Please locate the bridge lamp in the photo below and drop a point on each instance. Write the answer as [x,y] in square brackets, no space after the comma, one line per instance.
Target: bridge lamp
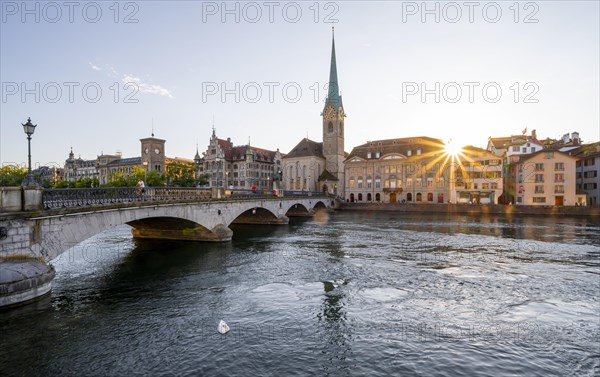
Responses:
[29,129]
[145,163]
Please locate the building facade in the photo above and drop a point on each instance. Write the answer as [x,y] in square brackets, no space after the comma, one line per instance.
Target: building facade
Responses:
[319,166]
[78,168]
[545,178]
[478,177]
[239,167]
[588,172]
[152,159]
[396,170]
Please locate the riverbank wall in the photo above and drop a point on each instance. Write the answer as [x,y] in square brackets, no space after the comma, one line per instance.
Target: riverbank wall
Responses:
[476,209]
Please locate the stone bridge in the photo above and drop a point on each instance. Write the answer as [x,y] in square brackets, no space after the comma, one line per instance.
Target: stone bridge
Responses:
[54,226]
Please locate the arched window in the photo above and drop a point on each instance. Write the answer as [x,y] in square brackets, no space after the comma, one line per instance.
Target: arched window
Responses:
[377,197]
[330,127]
[440,197]
[429,197]
[409,197]
[352,198]
[360,197]
[369,197]
[419,197]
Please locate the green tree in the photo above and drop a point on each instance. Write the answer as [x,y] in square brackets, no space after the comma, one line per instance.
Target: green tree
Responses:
[86,183]
[12,175]
[154,179]
[182,174]
[203,180]
[117,179]
[64,184]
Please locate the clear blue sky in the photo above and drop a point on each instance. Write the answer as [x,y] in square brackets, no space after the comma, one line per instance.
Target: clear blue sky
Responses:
[177,50]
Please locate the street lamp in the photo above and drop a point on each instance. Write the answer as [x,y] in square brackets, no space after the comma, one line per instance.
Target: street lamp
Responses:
[29,129]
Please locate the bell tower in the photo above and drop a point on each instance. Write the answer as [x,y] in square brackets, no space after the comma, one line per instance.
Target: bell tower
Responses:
[333,124]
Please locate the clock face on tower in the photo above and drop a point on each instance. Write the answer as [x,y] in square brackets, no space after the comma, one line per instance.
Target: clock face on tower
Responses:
[146,150]
[157,151]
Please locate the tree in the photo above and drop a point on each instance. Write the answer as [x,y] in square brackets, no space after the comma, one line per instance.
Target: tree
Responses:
[154,179]
[12,175]
[181,174]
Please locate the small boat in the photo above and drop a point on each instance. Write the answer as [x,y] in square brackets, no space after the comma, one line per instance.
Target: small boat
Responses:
[223,328]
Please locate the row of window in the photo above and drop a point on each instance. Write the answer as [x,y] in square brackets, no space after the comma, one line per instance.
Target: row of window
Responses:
[588,174]
[540,178]
[558,166]
[518,148]
[587,186]
[558,189]
[409,197]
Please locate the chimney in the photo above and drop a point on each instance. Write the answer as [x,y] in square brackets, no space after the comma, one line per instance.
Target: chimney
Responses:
[575,138]
[533,134]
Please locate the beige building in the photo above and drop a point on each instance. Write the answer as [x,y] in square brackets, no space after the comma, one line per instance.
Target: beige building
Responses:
[545,178]
[421,170]
[397,170]
[478,176]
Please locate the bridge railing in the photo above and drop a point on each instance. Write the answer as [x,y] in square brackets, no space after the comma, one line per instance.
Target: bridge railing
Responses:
[84,197]
[69,198]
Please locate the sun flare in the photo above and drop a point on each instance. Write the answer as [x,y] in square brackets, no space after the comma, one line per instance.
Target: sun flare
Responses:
[452,149]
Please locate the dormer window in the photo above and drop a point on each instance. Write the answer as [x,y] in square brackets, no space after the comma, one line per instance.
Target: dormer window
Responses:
[377,154]
[418,152]
[368,154]
[409,153]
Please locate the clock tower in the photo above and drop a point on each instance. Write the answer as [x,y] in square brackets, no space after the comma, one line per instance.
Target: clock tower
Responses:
[153,154]
[333,128]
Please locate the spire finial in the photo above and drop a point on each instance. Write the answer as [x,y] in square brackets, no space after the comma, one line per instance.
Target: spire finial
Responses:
[152,126]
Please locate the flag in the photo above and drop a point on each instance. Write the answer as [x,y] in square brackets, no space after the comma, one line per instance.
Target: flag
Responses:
[525,131]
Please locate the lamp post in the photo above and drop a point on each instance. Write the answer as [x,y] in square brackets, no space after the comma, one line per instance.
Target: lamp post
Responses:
[145,163]
[29,129]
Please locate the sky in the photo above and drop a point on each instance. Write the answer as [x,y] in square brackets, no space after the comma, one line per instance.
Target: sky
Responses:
[98,76]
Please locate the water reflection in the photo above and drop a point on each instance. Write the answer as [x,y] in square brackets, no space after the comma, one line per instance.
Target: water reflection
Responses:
[364,293]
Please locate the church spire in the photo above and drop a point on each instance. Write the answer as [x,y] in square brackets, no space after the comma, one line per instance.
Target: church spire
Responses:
[333,93]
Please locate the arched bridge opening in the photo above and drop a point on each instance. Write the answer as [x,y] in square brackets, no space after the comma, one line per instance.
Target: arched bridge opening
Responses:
[259,215]
[172,228]
[298,210]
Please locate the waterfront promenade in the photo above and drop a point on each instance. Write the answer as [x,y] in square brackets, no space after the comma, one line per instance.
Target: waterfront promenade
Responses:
[474,209]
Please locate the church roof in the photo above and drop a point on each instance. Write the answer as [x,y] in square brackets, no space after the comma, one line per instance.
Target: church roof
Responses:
[327,176]
[333,94]
[306,148]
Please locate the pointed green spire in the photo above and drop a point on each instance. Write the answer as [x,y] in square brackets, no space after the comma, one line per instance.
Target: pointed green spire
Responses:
[333,93]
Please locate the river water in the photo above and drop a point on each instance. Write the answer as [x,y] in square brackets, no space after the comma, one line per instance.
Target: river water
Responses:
[349,293]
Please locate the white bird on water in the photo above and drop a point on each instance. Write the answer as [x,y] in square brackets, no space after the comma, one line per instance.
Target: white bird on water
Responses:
[223,328]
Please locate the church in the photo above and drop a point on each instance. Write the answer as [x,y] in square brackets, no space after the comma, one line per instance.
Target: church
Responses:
[319,166]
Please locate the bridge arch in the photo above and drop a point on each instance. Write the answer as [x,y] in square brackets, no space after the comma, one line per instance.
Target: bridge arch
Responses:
[53,234]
